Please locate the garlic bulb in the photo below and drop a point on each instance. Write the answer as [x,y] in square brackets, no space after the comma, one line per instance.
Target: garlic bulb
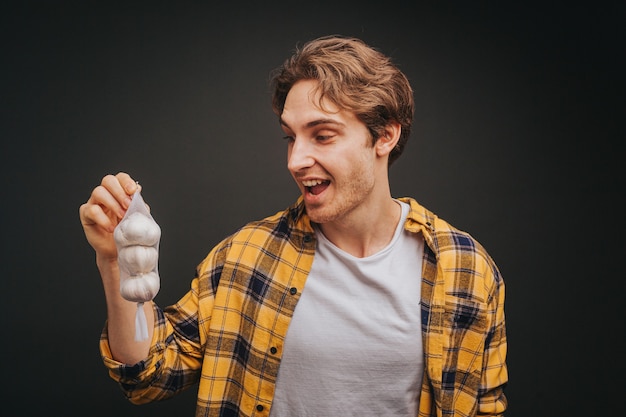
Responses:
[138,259]
[137,239]
[137,229]
[141,287]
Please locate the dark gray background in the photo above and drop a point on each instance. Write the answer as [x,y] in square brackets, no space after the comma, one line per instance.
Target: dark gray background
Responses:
[517,139]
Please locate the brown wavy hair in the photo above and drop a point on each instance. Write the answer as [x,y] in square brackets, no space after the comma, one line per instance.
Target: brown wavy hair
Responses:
[355,77]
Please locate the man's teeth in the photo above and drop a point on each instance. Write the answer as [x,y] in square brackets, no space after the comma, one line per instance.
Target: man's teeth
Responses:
[311,183]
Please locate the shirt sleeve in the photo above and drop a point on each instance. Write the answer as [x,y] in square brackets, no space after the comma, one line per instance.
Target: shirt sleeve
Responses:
[174,360]
[492,401]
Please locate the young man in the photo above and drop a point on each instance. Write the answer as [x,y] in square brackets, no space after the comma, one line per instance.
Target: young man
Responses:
[349,302]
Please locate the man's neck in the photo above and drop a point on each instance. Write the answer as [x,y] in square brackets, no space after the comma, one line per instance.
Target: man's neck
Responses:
[366,231]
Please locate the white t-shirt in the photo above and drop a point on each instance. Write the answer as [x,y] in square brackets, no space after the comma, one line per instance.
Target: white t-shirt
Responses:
[354,346]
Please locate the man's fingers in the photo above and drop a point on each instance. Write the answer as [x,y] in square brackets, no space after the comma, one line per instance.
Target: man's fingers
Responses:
[108,201]
[111,185]
[111,198]
[128,184]
[94,215]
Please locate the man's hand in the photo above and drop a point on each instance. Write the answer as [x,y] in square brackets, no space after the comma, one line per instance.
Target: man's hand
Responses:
[104,210]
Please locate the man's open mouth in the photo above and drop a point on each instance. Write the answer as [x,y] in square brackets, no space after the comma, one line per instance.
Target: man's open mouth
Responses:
[315,187]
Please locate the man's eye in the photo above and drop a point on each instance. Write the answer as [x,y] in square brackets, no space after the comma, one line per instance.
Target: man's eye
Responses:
[288,138]
[322,138]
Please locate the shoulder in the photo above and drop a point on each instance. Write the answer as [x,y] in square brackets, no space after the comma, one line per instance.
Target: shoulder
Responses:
[456,251]
[442,236]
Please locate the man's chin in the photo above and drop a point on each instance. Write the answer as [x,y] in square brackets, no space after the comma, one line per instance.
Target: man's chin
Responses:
[317,214]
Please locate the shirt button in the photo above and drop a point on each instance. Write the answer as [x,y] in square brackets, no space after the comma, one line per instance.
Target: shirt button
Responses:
[273,350]
[293,290]
[307,238]
[259,407]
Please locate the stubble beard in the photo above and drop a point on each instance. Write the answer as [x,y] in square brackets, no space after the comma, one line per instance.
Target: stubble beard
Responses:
[350,194]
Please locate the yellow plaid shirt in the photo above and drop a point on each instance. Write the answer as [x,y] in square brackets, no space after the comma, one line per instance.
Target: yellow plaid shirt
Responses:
[227,333]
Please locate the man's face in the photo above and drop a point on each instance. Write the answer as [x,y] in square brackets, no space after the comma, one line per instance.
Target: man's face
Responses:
[330,155]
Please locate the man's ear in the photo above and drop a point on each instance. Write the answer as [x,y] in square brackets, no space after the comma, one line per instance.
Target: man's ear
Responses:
[385,144]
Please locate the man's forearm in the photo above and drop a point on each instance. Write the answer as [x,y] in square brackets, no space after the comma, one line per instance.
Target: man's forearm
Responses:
[121,315]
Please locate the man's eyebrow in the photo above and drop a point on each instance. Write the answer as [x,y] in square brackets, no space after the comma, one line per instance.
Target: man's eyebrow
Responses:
[316,122]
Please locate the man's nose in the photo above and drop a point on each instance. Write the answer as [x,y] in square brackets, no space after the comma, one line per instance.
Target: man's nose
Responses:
[299,156]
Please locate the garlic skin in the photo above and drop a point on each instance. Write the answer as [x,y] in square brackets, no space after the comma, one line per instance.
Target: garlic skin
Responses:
[138,259]
[137,240]
[137,229]
[140,288]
